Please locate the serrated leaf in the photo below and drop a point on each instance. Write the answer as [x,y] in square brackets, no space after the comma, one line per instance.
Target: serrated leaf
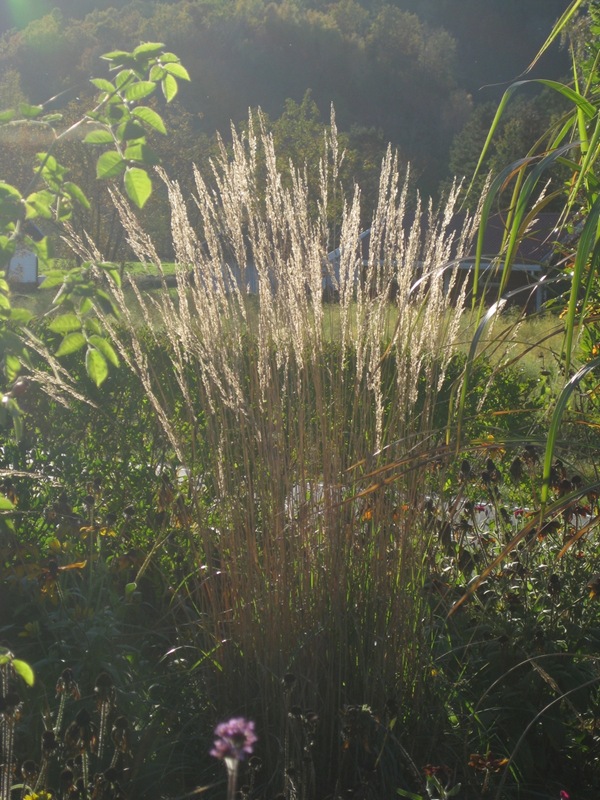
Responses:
[66,323]
[157,73]
[92,326]
[109,165]
[139,90]
[124,77]
[22,316]
[130,129]
[105,347]
[149,117]
[52,279]
[24,671]
[48,162]
[103,85]
[5,504]
[96,366]
[148,49]
[99,136]
[71,344]
[178,70]
[169,87]
[39,204]
[85,305]
[142,153]
[168,57]
[138,186]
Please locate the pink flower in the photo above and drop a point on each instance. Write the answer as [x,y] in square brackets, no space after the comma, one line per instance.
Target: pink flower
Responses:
[235,739]
[564,795]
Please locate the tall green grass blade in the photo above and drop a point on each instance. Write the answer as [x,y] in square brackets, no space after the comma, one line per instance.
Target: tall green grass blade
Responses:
[561,404]
[587,245]
[495,187]
[520,219]
[556,31]
[587,109]
[495,309]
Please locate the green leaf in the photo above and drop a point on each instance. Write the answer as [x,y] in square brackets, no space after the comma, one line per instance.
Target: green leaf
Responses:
[8,115]
[12,367]
[178,70]
[142,153]
[148,49]
[103,85]
[41,249]
[24,671]
[39,204]
[99,136]
[113,270]
[169,87]
[50,119]
[109,165]
[410,795]
[28,111]
[149,117]
[115,54]
[138,185]
[5,504]
[92,326]
[66,323]
[71,344]
[105,347]
[128,130]
[139,90]
[85,305]
[167,58]
[52,279]
[9,191]
[124,78]
[96,366]
[130,588]
[76,193]
[157,73]
[49,163]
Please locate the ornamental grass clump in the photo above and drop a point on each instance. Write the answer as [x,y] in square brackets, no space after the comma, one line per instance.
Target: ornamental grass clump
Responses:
[304,550]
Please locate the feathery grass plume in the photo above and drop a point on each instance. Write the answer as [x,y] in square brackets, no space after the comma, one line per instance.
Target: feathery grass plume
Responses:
[287,411]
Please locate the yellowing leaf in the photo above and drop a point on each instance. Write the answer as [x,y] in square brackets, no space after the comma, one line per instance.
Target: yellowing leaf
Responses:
[24,670]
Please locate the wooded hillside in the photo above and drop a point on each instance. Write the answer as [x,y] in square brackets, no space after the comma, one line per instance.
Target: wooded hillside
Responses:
[407,72]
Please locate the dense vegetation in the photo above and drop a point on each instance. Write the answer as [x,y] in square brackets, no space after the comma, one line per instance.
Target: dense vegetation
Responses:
[354,506]
[406,73]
